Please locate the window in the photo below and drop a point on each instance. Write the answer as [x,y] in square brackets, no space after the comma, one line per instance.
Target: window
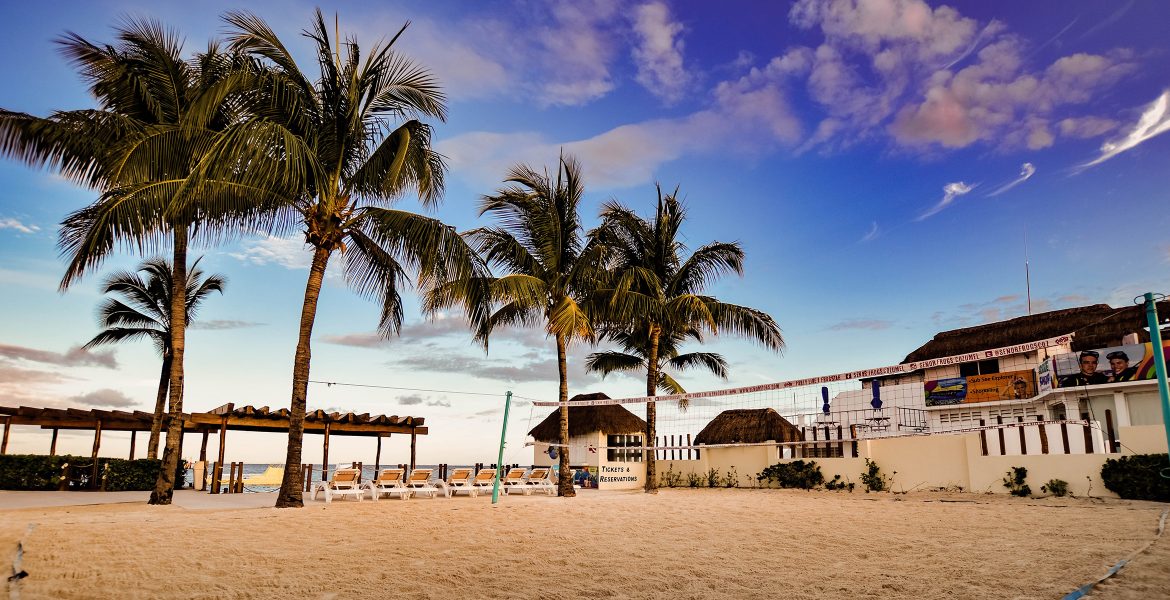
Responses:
[983,367]
[618,451]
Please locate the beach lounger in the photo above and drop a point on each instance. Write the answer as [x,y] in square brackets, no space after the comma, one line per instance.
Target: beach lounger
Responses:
[459,480]
[419,482]
[389,482]
[484,480]
[540,480]
[343,483]
[513,479]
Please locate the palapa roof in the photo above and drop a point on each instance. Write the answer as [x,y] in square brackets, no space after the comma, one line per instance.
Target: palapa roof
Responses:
[610,418]
[1095,326]
[748,426]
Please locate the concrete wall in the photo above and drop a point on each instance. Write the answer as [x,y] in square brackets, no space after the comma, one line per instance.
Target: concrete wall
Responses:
[1143,439]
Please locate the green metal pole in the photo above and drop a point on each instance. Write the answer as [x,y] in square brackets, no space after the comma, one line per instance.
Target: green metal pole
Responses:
[500,460]
[1159,361]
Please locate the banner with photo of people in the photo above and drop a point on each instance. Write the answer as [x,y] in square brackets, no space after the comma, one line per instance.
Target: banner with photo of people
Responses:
[1115,364]
[1009,385]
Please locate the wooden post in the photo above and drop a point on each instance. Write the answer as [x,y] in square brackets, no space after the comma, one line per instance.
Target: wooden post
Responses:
[689,453]
[307,477]
[840,442]
[97,443]
[413,439]
[378,457]
[203,446]
[1002,445]
[1088,438]
[1043,435]
[1064,436]
[53,444]
[222,448]
[1110,442]
[816,449]
[4,444]
[325,455]
[983,437]
[1023,440]
[853,435]
[216,474]
[133,435]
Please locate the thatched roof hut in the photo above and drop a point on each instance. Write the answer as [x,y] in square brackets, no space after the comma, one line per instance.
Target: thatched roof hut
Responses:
[748,426]
[611,419]
[1096,326]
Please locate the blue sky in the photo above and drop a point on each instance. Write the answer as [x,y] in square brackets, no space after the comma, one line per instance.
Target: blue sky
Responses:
[881,162]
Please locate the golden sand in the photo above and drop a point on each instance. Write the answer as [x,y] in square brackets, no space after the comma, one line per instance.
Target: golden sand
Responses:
[677,544]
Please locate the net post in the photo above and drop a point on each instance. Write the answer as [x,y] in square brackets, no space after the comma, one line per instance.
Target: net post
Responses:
[500,460]
[1159,360]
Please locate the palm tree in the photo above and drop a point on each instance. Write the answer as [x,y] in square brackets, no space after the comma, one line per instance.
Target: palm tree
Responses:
[151,150]
[550,270]
[145,312]
[342,164]
[635,348]
[657,292]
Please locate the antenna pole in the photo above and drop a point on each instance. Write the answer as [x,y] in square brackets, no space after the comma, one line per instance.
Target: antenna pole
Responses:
[1027,273]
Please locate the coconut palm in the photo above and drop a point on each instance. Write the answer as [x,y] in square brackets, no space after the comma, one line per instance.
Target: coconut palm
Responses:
[350,144]
[144,311]
[657,292]
[150,149]
[635,348]
[549,270]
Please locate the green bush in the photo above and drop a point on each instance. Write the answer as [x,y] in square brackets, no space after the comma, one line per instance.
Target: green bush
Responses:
[694,479]
[873,479]
[731,479]
[1138,477]
[713,479]
[670,478]
[796,474]
[835,484]
[1056,487]
[1014,481]
[40,472]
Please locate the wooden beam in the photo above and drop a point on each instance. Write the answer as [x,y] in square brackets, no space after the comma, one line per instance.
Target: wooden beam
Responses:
[203,446]
[413,438]
[53,444]
[133,434]
[378,457]
[97,443]
[325,455]
[4,444]
[222,445]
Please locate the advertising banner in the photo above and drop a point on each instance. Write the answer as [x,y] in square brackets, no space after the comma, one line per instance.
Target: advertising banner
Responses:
[1010,385]
[1115,364]
[942,392]
[1045,376]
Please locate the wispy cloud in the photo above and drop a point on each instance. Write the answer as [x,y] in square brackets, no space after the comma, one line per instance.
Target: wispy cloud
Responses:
[104,398]
[659,52]
[950,192]
[74,357]
[220,324]
[290,253]
[1026,172]
[1155,120]
[11,223]
[872,234]
[865,324]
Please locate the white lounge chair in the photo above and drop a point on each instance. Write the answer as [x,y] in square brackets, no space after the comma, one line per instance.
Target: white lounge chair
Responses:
[513,479]
[459,480]
[484,480]
[345,482]
[419,482]
[389,482]
[540,480]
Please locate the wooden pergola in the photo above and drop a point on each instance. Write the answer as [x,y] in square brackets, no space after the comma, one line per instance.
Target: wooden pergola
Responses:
[219,420]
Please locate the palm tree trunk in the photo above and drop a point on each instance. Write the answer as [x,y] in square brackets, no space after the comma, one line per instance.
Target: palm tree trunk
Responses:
[651,409]
[160,405]
[164,486]
[290,486]
[565,481]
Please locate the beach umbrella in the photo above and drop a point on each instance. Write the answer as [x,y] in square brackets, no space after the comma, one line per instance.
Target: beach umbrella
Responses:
[876,403]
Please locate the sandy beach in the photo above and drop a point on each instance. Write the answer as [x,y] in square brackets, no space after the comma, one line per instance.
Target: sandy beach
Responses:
[678,544]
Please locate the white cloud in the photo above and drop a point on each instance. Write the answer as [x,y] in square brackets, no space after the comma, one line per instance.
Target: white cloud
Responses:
[1155,120]
[104,398]
[950,192]
[872,234]
[1027,170]
[1085,127]
[11,223]
[290,253]
[659,53]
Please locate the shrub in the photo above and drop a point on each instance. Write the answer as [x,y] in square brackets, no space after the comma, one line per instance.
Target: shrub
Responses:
[713,478]
[1014,481]
[1138,477]
[873,479]
[836,484]
[1056,487]
[670,478]
[796,474]
[694,479]
[731,479]
[40,472]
